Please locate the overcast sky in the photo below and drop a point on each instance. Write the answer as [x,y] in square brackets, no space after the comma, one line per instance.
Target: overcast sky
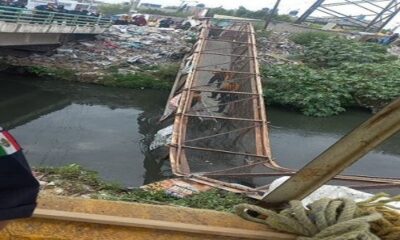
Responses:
[285,6]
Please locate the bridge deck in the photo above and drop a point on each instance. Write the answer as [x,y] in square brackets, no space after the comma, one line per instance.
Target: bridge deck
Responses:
[220,135]
[19,20]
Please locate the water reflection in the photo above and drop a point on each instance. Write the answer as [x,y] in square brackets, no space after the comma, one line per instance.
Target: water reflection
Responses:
[297,139]
[103,129]
[109,130]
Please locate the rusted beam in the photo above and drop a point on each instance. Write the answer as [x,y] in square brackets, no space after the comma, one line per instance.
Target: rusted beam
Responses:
[228,41]
[214,64]
[181,167]
[216,91]
[219,117]
[225,71]
[174,88]
[245,175]
[234,80]
[224,54]
[348,178]
[265,143]
[219,134]
[229,30]
[375,186]
[236,168]
[221,104]
[221,151]
[338,157]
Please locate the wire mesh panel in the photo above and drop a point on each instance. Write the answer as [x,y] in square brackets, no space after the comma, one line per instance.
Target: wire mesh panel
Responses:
[220,117]
[220,135]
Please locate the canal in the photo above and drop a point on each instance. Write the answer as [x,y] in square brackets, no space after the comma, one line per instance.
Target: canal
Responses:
[109,130]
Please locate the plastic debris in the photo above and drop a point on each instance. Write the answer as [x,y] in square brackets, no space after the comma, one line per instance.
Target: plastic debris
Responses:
[117,46]
[162,138]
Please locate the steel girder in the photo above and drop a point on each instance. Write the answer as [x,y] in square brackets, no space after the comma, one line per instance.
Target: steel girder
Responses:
[373,15]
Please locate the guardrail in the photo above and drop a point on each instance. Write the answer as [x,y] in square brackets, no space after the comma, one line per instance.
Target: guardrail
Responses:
[25,16]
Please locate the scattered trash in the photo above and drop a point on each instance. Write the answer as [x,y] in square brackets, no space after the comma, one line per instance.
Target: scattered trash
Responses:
[162,138]
[119,45]
[178,187]
[279,44]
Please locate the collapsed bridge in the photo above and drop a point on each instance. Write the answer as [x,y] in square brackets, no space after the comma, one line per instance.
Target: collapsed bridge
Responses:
[220,131]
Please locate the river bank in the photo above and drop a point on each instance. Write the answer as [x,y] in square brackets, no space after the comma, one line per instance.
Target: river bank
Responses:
[73,180]
[109,131]
[126,56]
[348,73]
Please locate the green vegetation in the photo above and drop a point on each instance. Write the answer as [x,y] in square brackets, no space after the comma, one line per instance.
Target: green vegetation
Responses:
[75,180]
[214,199]
[157,77]
[59,73]
[263,33]
[109,9]
[335,51]
[150,77]
[337,73]
[245,13]
[313,92]
[119,8]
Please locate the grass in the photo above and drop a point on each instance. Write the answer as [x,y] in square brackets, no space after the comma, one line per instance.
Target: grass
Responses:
[75,180]
[149,77]
[59,73]
[154,77]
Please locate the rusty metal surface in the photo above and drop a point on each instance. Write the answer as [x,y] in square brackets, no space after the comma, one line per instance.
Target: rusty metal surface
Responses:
[69,218]
[341,155]
[231,149]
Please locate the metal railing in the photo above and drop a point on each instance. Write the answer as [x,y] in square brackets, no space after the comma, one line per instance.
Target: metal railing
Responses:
[25,16]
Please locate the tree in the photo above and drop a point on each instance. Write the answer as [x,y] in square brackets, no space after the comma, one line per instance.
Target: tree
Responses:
[293,13]
[115,8]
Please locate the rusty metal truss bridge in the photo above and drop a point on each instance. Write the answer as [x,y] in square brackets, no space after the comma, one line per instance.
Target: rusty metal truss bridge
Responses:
[366,15]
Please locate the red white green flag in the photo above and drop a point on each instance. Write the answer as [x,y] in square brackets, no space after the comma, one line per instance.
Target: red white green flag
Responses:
[8,145]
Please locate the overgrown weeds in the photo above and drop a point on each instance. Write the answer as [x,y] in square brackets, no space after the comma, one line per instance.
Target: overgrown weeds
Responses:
[314,93]
[157,77]
[77,181]
[338,73]
[335,51]
[59,73]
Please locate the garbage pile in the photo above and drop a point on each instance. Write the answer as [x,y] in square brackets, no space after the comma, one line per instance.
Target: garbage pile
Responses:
[276,47]
[125,48]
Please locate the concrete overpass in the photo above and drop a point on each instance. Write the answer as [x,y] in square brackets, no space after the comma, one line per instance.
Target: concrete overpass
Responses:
[22,27]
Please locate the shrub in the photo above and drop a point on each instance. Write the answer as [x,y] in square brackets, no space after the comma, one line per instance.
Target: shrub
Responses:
[325,92]
[374,83]
[334,51]
[316,93]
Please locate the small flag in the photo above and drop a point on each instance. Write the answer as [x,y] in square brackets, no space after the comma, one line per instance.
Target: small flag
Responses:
[8,145]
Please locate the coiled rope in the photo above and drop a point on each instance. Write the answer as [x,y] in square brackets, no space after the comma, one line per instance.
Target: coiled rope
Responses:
[332,219]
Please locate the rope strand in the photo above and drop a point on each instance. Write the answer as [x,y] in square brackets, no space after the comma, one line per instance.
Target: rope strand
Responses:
[332,219]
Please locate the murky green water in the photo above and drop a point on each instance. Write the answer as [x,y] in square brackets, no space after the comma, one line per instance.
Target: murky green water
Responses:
[109,130]
[296,139]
